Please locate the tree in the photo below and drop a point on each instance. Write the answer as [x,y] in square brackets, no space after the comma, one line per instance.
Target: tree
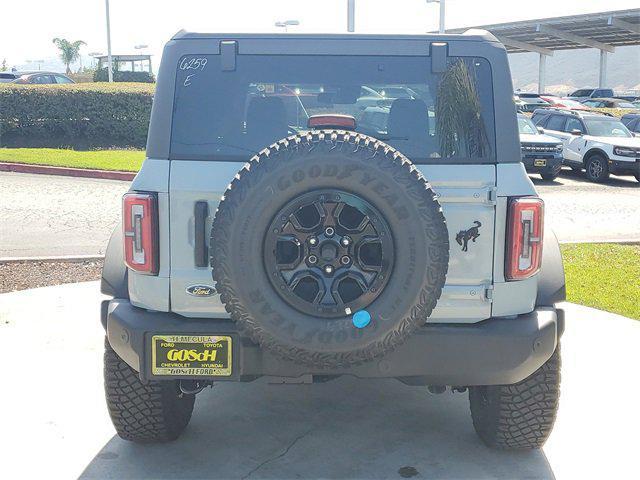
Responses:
[3,67]
[69,51]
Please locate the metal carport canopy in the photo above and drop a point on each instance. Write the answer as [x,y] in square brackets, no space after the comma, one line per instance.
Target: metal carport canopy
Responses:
[603,31]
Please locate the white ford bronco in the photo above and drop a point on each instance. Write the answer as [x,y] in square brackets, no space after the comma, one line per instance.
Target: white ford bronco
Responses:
[267,235]
[598,143]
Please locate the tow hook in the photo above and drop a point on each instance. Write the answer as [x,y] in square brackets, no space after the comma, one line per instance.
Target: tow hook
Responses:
[192,387]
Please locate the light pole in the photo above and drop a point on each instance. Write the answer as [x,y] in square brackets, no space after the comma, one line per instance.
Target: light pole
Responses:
[351,15]
[109,63]
[287,23]
[441,2]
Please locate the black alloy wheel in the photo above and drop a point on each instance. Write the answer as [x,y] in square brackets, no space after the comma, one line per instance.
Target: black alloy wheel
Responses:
[329,253]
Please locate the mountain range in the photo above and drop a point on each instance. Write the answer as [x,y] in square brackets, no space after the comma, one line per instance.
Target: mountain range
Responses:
[568,70]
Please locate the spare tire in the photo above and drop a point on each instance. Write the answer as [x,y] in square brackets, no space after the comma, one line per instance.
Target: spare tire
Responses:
[329,248]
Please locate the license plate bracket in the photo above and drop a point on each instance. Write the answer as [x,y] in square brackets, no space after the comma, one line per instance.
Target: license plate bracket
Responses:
[191,355]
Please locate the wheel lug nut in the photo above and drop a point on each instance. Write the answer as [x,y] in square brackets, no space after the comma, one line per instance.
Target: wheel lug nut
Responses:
[329,231]
[313,241]
[345,241]
[345,260]
[312,259]
[328,269]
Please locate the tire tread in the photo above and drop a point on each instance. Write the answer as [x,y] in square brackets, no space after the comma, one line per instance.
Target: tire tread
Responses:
[143,413]
[519,416]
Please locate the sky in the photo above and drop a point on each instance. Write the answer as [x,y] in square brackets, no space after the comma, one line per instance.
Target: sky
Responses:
[29,26]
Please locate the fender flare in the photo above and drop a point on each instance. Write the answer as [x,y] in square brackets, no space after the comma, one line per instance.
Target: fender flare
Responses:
[114,280]
[551,281]
[592,151]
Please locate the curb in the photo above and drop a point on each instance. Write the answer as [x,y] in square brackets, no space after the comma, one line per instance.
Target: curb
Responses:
[66,171]
[61,258]
[618,241]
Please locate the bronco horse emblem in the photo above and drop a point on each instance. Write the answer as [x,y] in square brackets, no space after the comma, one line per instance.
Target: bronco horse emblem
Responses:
[464,236]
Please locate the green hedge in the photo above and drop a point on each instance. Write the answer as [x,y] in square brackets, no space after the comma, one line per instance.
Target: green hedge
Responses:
[79,116]
[103,76]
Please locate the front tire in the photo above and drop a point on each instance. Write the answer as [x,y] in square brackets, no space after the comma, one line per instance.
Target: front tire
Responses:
[143,413]
[519,416]
[597,168]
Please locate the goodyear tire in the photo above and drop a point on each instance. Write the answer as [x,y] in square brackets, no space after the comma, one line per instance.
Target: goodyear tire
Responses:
[144,413]
[519,416]
[378,187]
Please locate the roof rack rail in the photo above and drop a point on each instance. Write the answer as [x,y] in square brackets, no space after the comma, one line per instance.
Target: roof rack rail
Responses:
[557,109]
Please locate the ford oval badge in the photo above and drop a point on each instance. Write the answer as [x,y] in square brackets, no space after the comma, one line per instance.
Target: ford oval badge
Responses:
[201,290]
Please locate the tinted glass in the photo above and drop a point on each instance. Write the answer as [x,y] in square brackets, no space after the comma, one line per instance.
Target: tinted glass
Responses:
[526,126]
[573,124]
[540,119]
[606,127]
[62,79]
[582,93]
[625,105]
[231,115]
[556,122]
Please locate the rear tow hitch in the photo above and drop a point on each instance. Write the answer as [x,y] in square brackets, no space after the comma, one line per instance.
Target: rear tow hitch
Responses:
[192,387]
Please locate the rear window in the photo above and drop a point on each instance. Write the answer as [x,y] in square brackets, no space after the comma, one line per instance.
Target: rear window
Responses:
[430,117]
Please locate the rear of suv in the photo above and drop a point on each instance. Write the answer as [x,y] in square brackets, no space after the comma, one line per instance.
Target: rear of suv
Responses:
[267,235]
[598,143]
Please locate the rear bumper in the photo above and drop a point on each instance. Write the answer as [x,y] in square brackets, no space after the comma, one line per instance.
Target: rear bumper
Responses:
[493,352]
[553,164]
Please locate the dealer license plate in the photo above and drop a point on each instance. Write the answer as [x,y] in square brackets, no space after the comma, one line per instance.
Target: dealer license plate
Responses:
[539,162]
[192,355]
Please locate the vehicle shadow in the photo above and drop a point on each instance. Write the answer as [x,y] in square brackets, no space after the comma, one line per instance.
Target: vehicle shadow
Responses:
[346,428]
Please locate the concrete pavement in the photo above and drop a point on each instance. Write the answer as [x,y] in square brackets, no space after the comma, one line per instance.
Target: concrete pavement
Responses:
[43,215]
[55,424]
[581,211]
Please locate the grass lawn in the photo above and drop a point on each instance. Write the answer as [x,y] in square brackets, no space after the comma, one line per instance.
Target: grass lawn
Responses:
[604,276]
[124,160]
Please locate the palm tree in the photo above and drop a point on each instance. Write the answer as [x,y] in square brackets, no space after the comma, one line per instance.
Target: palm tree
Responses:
[460,126]
[69,51]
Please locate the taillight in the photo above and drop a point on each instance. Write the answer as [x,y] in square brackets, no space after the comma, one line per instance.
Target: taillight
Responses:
[140,221]
[524,238]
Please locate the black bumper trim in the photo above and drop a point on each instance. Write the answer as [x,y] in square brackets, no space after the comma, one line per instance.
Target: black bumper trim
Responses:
[554,164]
[492,352]
[618,167]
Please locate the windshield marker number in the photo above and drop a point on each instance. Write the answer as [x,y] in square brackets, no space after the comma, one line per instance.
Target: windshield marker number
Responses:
[195,63]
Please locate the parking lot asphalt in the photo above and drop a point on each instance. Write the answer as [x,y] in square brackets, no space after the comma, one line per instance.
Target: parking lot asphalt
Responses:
[55,424]
[582,211]
[43,215]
